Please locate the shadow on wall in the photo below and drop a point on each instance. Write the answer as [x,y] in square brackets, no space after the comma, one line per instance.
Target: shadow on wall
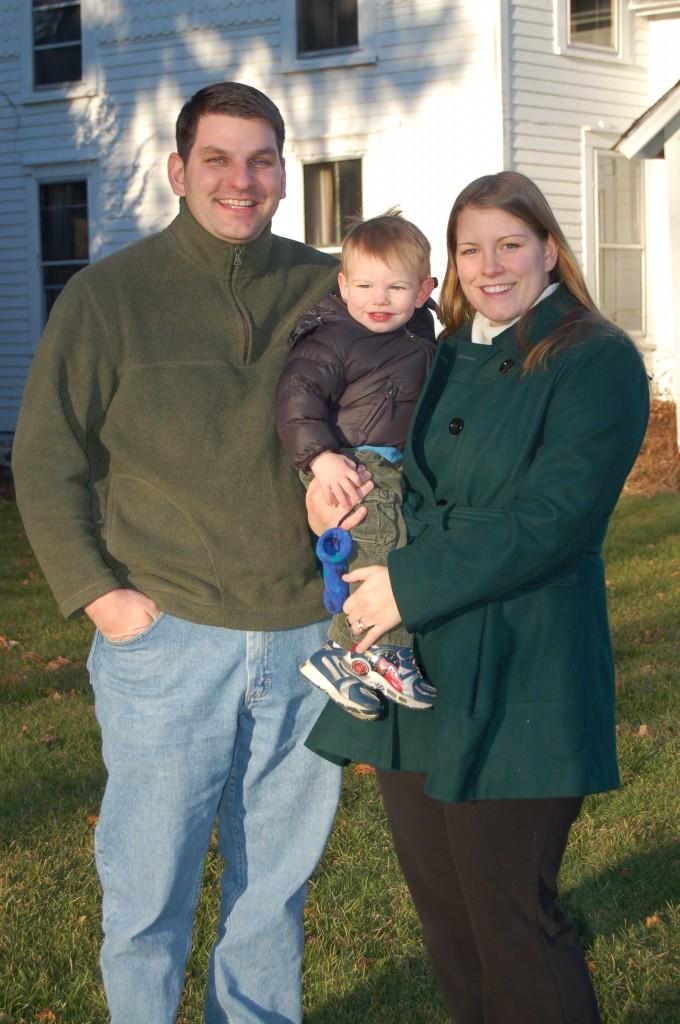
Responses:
[149,63]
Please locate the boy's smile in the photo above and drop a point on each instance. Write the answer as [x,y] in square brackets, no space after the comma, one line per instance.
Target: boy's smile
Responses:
[382,296]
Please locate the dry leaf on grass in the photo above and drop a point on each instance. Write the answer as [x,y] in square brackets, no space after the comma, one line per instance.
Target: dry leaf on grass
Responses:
[364,769]
[56,663]
[653,921]
[46,1015]
[92,819]
[34,658]
[7,645]
[643,730]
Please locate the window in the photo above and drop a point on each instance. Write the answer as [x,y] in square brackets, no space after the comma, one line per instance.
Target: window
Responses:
[326,25]
[593,29]
[592,23]
[328,33]
[620,240]
[332,194]
[57,43]
[64,235]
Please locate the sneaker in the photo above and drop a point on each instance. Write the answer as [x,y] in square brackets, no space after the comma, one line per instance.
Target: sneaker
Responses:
[327,670]
[393,671]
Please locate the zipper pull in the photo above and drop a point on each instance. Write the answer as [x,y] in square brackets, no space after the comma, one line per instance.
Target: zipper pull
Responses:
[237,256]
[391,395]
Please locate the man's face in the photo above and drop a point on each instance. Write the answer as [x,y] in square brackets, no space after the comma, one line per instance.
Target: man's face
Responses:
[233,178]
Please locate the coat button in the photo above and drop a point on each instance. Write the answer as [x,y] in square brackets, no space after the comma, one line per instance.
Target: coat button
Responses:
[506,365]
[456,425]
[442,502]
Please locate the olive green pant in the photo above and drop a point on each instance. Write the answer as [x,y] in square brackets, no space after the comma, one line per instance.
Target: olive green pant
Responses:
[377,534]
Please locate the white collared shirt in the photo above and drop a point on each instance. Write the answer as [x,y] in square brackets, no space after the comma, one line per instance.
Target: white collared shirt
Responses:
[483,331]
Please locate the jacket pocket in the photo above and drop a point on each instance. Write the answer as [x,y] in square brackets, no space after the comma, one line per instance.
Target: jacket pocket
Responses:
[385,409]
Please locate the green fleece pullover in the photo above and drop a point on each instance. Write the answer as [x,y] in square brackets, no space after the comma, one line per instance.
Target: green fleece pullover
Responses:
[146,453]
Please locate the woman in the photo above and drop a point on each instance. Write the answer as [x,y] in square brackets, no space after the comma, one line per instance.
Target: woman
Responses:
[533,414]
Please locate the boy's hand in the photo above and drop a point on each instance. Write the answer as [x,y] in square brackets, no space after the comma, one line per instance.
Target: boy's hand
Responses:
[323,516]
[338,477]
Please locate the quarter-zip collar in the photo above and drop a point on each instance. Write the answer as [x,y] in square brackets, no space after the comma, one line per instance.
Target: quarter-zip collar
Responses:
[214,254]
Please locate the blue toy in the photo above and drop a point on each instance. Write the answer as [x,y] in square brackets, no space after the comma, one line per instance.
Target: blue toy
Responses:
[333,549]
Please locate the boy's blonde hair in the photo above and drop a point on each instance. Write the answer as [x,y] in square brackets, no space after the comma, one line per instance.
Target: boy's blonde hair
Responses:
[388,238]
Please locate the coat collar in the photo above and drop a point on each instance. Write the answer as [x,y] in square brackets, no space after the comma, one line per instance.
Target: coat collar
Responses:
[542,320]
[214,254]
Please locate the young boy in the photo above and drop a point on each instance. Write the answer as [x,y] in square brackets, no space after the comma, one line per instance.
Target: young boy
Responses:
[346,396]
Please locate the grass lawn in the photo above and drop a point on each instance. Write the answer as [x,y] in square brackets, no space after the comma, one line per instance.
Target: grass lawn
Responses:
[364,962]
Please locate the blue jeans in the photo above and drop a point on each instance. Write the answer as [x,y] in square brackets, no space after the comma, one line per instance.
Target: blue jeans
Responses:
[199,724]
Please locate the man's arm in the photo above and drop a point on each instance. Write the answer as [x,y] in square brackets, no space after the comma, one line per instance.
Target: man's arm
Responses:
[70,386]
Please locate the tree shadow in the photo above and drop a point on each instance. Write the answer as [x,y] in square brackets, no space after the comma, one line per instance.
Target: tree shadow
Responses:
[405,991]
[627,893]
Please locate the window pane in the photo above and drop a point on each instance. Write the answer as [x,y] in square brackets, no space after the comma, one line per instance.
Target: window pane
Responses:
[592,22]
[63,221]
[63,64]
[621,287]
[56,25]
[54,279]
[327,24]
[619,200]
[332,194]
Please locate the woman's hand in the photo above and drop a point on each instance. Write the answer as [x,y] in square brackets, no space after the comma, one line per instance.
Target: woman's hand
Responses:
[323,516]
[371,609]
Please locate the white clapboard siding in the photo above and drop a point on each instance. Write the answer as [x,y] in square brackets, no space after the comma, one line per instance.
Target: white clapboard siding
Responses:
[412,115]
[553,97]
[458,88]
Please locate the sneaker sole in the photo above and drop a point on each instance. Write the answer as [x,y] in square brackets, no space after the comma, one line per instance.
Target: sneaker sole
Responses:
[378,682]
[321,683]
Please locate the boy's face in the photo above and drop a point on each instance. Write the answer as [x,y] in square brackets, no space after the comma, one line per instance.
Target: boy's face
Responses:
[379,296]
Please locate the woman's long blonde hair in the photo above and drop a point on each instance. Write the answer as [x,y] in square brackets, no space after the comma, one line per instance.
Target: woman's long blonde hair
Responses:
[520,196]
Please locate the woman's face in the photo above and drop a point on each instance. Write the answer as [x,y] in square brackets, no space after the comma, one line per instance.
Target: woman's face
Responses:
[503,266]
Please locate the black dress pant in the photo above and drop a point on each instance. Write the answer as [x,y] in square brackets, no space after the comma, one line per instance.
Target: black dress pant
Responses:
[483,878]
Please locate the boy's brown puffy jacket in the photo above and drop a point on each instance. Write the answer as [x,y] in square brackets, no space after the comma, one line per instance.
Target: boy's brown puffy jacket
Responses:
[344,386]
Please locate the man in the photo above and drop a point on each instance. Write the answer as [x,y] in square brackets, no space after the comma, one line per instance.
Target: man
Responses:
[158,501]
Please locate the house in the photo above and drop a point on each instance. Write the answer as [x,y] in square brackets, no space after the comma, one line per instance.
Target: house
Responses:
[386,102]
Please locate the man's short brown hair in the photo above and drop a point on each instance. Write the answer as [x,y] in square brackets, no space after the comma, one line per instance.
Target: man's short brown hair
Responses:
[232,98]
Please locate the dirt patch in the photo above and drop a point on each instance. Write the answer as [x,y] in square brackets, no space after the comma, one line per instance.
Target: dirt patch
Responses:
[658,464]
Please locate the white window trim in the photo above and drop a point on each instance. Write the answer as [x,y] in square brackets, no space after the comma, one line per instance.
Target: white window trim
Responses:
[364,53]
[88,84]
[594,142]
[40,174]
[326,148]
[621,53]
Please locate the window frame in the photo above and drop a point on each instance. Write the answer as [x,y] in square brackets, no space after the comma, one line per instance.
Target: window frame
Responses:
[364,53]
[596,143]
[53,174]
[619,53]
[86,86]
